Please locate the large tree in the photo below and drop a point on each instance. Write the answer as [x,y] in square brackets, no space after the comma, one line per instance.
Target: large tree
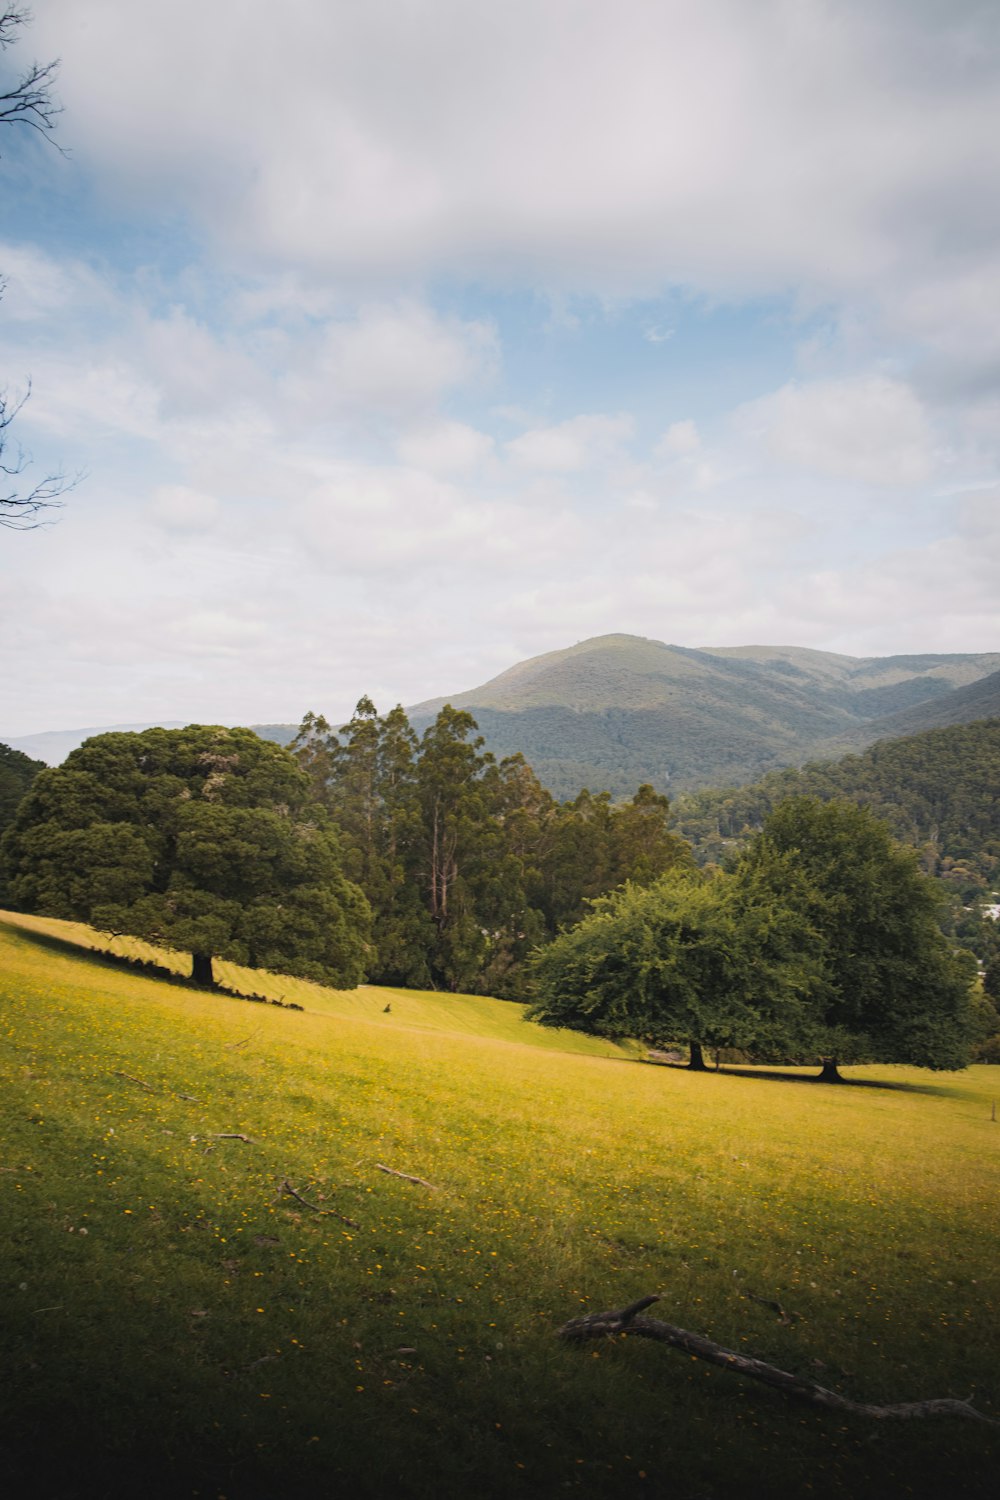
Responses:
[892,988]
[700,958]
[204,839]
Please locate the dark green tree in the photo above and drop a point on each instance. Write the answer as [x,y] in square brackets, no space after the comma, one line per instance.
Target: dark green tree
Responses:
[892,988]
[202,839]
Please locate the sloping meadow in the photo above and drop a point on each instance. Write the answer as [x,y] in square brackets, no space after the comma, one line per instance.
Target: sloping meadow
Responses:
[212,1285]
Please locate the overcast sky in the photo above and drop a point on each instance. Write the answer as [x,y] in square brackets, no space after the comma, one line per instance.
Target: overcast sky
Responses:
[399,340]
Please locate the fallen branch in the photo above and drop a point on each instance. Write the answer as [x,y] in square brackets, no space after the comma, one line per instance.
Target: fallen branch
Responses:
[405,1176]
[286,1187]
[628,1320]
[788,1319]
[232,1135]
[140,1081]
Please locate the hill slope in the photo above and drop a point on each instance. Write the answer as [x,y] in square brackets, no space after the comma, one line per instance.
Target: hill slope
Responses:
[214,1286]
[937,790]
[617,710]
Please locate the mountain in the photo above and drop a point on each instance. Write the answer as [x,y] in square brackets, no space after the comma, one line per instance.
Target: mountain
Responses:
[617,710]
[53,745]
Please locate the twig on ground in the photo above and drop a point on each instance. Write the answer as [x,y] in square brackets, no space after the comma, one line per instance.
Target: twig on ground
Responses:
[788,1319]
[628,1321]
[286,1187]
[405,1176]
[140,1081]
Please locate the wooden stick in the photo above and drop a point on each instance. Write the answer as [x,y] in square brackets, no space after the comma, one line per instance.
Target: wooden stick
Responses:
[141,1082]
[405,1176]
[286,1187]
[628,1320]
[232,1135]
[789,1319]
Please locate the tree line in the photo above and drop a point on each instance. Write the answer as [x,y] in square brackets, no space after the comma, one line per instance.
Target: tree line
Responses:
[469,863]
[372,853]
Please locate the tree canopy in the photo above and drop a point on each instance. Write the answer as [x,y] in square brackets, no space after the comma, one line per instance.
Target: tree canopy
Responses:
[892,988]
[820,941]
[204,839]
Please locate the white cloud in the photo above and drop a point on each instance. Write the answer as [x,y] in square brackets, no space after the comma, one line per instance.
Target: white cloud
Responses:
[445,447]
[739,149]
[177,508]
[568,447]
[679,440]
[402,356]
[866,429]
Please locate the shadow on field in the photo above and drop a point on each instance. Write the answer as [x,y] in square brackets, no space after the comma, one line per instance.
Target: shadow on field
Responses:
[145,967]
[777,1075]
[70,949]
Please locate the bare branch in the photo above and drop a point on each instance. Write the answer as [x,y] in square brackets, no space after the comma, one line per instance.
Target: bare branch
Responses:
[286,1187]
[18,510]
[405,1176]
[29,101]
[626,1321]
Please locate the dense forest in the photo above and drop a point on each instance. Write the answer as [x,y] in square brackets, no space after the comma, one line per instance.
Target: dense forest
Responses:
[938,791]
[469,863]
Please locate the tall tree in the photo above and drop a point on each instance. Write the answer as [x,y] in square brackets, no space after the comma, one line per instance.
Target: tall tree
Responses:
[455,814]
[203,839]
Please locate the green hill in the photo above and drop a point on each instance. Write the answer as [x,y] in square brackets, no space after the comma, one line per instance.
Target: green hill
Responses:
[250,1252]
[937,790]
[619,710]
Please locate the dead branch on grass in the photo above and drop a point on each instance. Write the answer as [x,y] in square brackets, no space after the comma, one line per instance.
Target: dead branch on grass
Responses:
[286,1187]
[629,1321]
[140,1081]
[391,1171]
[786,1318]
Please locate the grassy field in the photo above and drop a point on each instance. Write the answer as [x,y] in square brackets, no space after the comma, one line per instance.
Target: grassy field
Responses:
[175,1324]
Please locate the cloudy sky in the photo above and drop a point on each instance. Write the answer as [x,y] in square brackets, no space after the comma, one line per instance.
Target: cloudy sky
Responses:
[399,340]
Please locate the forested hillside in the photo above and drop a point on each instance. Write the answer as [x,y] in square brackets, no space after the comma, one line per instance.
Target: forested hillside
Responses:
[938,791]
[619,710]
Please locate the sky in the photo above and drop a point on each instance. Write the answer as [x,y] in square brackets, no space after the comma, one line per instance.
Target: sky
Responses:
[395,341]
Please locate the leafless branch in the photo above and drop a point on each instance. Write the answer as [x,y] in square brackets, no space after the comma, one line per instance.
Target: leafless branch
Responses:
[29,101]
[286,1187]
[18,510]
[628,1321]
[405,1176]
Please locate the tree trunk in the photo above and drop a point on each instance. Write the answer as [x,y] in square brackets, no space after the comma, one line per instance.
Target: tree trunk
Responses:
[697,1061]
[201,970]
[829,1072]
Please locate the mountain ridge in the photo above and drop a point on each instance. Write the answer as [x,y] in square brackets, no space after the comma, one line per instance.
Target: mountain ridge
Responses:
[613,711]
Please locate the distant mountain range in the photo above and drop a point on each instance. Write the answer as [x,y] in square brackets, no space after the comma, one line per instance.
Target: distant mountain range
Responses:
[617,710]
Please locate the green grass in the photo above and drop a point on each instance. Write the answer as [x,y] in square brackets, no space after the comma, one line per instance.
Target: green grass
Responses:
[174,1326]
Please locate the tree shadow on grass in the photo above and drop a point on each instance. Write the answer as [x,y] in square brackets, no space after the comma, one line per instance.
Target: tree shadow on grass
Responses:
[146,968]
[779,1075]
[69,948]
